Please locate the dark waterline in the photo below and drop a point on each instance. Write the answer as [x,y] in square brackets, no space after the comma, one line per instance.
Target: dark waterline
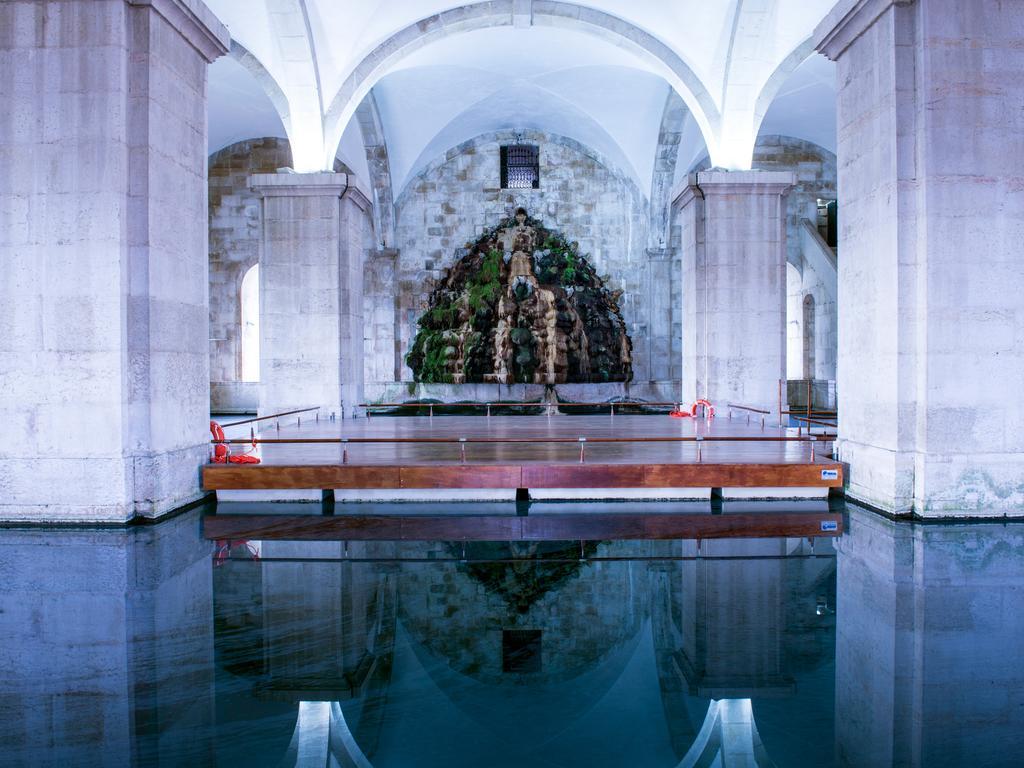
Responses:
[896,644]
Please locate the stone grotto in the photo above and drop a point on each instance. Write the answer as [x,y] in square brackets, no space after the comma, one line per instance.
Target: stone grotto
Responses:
[522,305]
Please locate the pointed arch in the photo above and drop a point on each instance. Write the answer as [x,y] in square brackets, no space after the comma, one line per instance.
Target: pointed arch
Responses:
[266,81]
[378,162]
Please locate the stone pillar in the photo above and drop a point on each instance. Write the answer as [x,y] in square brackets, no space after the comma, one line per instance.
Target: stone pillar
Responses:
[104,368]
[660,340]
[931,185]
[382,352]
[733,228]
[311,290]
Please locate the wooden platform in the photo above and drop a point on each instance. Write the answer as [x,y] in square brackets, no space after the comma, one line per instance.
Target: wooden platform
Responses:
[549,452]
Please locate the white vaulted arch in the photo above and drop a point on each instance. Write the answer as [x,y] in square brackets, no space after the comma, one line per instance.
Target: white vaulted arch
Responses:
[651,54]
[725,60]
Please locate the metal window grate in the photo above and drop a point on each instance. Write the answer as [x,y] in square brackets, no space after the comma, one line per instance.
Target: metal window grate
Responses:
[520,166]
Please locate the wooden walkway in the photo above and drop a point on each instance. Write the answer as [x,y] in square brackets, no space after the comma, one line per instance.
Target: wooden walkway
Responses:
[601,451]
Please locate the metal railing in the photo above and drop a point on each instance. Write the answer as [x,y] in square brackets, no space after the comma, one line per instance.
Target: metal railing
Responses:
[274,416]
[548,407]
[582,441]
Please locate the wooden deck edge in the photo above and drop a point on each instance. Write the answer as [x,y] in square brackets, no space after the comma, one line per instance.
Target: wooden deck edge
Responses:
[219,477]
[534,527]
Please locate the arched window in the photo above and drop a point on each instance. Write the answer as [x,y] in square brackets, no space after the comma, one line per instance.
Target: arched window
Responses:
[249,300]
[808,336]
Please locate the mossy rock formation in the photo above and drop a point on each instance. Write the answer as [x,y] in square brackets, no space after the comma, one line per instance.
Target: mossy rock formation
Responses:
[521,305]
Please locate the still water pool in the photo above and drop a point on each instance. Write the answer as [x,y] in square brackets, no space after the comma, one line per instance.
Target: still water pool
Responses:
[895,644]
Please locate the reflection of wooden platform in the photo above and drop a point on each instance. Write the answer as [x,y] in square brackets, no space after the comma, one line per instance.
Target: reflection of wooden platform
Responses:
[605,525]
[538,452]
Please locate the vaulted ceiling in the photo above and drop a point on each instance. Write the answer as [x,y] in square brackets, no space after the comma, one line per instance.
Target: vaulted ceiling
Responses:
[597,71]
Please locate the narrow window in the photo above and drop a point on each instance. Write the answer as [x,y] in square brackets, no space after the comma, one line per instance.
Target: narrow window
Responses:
[520,166]
[808,336]
[249,301]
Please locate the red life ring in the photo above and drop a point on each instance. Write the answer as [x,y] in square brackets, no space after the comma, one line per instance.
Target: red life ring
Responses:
[220,449]
[680,414]
[222,454]
[707,404]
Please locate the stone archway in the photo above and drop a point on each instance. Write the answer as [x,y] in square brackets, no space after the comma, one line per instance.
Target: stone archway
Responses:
[554,13]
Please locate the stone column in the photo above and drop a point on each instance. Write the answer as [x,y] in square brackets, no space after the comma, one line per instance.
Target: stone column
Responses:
[311,291]
[931,280]
[733,230]
[659,341]
[104,368]
[382,354]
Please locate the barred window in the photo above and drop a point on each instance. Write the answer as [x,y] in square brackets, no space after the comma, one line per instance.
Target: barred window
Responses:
[520,166]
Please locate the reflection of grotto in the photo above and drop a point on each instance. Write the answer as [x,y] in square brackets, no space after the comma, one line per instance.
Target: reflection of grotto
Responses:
[522,305]
[523,572]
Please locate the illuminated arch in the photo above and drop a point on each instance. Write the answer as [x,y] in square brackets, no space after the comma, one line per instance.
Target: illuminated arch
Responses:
[660,57]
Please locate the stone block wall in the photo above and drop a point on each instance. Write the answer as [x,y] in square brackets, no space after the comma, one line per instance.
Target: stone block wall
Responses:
[457,196]
[235,233]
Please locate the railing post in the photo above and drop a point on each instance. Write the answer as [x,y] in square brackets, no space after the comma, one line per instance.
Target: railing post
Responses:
[344,450]
[583,455]
[812,439]
[780,403]
[431,410]
[700,441]
[613,410]
[488,410]
[462,449]
[762,423]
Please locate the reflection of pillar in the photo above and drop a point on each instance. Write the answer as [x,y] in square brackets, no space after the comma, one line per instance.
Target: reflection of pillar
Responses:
[732,639]
[734,285]
[327,625]
[107,647]
[103,256]
[311,274]
[930,271]
[929,622]
[303,621]
[719,620]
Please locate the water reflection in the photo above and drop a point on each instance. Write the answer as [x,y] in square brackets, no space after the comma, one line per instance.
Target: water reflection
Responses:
[107,647]
[150,647]
[929,667]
